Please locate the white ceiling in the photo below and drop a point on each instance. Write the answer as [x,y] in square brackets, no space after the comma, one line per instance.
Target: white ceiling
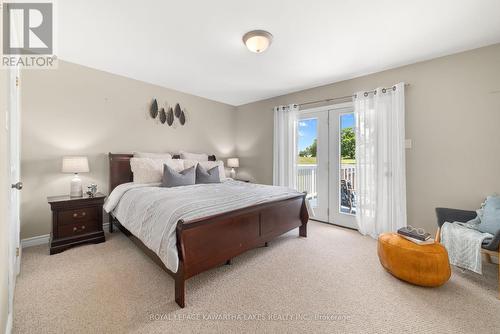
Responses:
[195,46]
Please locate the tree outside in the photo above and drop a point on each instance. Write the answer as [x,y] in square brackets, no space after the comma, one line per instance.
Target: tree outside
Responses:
[348,144]
[308,143]
[310,151]
[307,156]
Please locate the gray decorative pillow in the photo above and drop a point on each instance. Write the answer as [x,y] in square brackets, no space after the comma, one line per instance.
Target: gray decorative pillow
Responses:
[173,178]
[207,176]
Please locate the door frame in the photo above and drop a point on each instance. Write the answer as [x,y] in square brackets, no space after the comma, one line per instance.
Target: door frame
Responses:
[334,216]
[13,166]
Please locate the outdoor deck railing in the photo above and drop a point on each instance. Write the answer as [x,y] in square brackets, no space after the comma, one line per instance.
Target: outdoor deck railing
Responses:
[348,173]
[307,177]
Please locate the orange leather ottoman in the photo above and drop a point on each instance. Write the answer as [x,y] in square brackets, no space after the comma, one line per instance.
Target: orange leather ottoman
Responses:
[424,265]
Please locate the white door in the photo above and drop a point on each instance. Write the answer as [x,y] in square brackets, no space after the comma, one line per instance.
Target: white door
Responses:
[326,163]
[342,206]
[14,163]
[312,161]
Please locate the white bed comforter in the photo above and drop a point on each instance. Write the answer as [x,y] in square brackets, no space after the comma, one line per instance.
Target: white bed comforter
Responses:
[151,212]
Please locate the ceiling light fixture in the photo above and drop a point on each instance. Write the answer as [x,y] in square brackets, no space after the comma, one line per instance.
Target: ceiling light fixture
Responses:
[257,40]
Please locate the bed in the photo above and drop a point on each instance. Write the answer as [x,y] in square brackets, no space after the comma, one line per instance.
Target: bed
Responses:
[187,232]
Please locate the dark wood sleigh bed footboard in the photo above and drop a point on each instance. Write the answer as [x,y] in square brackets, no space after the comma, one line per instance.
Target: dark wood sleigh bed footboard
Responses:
[212,241]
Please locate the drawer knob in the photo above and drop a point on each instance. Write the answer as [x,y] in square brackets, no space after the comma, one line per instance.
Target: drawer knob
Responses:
[83,214]
[76,229]
[75,215]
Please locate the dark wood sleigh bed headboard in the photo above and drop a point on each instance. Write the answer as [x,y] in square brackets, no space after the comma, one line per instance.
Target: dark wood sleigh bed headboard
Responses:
[120,171]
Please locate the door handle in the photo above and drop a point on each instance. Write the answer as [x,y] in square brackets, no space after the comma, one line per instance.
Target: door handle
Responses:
[18,186]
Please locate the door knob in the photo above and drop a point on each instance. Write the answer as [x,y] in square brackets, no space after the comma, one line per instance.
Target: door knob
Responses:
[18,186]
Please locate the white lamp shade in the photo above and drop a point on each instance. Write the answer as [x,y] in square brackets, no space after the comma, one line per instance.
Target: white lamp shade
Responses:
[75,165]
[233,162]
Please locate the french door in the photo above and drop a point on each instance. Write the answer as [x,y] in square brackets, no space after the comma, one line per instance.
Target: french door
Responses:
[325,165]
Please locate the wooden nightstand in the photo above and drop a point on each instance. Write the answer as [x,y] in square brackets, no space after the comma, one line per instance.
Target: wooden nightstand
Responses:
[75,221]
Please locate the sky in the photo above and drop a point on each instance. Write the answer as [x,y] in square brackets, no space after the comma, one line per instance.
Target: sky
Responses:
[308,129]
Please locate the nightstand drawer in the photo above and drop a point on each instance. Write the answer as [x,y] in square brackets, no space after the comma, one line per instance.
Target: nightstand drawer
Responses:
[74,229]
[78,215]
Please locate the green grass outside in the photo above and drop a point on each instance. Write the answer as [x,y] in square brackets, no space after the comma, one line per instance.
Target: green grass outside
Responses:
[306,161]
[312,161]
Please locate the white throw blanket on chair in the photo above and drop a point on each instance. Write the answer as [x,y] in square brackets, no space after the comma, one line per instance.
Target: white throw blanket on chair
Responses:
[463,244]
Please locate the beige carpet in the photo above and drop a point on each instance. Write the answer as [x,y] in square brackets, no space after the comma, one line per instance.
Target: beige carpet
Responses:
[330,282]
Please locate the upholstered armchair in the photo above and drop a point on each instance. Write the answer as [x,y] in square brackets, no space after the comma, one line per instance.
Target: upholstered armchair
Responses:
[455,215]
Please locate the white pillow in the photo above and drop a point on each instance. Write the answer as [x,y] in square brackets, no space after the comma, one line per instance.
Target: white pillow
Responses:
[194,156]
[152,155]
[149,170]
[208,165]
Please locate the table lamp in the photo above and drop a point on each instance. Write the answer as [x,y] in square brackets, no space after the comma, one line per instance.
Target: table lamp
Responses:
[233,163]
[75,165]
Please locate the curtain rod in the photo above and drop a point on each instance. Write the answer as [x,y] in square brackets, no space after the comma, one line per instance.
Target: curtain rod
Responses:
[345,97]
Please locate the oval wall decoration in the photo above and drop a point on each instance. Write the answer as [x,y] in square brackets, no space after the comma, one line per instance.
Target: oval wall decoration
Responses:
[167,115]
[163,116]
[177,110]
[153,111]
[170,117]
[182,118]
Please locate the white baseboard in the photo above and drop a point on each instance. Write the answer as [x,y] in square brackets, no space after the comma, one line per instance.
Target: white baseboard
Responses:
[35,241]
[43,239]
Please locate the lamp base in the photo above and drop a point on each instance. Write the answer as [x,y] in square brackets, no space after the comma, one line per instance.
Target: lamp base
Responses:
[232,173]
[76,187]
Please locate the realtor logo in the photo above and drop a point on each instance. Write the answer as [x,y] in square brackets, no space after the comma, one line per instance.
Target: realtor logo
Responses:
[28,32]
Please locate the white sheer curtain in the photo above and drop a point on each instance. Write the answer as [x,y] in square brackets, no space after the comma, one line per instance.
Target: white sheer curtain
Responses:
[380,160]
[284,148]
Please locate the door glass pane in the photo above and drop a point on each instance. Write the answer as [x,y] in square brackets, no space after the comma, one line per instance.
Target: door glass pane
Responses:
[347,165]
[307,158]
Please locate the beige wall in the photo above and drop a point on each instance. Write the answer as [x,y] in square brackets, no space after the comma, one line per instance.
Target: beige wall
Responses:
[452,117]
[4,181]
[75,110]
